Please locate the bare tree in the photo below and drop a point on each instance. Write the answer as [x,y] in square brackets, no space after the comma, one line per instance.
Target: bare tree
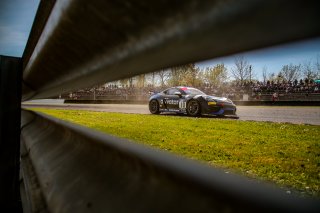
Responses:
[290,72]
[264,74]
[163,77]
[131,82]
[308,72]
[151,78]
[272,76]
[317,66]
[175,76]
[242,71]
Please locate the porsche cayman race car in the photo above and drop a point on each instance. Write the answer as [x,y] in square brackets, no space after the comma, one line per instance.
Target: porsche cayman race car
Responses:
[191,101]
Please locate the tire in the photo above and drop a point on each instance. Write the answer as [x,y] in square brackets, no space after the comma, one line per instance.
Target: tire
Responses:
[193,108]
[154,107]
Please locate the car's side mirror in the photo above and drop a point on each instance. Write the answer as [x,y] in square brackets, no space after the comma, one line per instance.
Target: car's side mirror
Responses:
[178,94]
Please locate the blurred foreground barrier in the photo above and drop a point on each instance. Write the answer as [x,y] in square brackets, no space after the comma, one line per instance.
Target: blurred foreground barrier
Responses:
[81,43]
[85,43]
[80,170]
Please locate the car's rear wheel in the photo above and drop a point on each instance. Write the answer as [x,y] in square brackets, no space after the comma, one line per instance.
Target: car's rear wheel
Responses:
[193,108]
[154,107]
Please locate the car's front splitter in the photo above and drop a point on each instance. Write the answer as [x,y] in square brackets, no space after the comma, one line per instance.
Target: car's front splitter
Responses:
[224,111]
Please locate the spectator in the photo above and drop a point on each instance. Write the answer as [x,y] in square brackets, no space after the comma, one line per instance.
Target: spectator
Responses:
[274,96]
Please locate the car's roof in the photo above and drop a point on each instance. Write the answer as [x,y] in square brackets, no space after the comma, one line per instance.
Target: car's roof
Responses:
[184,88]
[180,88]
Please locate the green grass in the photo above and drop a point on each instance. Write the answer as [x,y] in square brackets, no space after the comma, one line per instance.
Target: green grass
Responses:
[286,154]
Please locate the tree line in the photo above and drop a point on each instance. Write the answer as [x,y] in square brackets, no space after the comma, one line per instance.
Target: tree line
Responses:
[217,75]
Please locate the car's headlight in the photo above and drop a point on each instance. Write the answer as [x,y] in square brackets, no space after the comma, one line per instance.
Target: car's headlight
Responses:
[211,103]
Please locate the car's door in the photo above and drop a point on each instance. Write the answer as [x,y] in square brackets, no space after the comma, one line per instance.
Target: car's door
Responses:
[171,100]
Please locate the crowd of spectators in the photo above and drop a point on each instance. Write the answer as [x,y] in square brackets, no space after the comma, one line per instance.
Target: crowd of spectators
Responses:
[110,91]
[306,86]
[256,90]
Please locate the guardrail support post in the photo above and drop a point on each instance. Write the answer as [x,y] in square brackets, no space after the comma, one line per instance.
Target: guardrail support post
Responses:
[10,113]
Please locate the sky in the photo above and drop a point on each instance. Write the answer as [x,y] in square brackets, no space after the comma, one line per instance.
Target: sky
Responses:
[274,58]
[16,18]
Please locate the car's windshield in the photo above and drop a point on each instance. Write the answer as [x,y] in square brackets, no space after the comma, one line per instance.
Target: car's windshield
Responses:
[192,91]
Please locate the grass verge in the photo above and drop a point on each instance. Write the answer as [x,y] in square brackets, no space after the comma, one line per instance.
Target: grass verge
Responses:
[286,154]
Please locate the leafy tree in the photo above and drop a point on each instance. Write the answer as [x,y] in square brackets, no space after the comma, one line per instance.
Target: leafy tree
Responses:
[124,82]
[187,75]
[141,80]
[215,76]
[191,76]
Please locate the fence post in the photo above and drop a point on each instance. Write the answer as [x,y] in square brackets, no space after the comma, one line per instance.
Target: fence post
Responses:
[10,111]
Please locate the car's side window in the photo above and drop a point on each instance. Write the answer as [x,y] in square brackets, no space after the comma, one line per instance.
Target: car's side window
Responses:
[171,91]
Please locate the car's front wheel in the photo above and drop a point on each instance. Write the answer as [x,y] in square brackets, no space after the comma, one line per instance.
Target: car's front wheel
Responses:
[193,108]
[154,107]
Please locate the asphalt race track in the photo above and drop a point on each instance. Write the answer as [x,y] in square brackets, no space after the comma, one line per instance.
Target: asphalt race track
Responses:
[296,115]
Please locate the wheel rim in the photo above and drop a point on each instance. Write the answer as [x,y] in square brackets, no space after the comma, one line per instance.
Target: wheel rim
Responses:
[193,108]
[153,106]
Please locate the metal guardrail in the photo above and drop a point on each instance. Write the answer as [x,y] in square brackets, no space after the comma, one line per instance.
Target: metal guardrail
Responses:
[10,98]
[67,168]
[85,43]
[81,170]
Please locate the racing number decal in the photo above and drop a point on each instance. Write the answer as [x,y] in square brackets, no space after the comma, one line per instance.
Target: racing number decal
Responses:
[182,104]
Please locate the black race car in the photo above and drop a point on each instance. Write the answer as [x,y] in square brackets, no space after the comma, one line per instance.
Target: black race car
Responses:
[191,101]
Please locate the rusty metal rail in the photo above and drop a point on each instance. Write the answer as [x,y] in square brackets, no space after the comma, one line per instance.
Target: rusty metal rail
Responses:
[80,43]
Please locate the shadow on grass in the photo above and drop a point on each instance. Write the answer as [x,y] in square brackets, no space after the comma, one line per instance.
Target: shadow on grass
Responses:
[200,116]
